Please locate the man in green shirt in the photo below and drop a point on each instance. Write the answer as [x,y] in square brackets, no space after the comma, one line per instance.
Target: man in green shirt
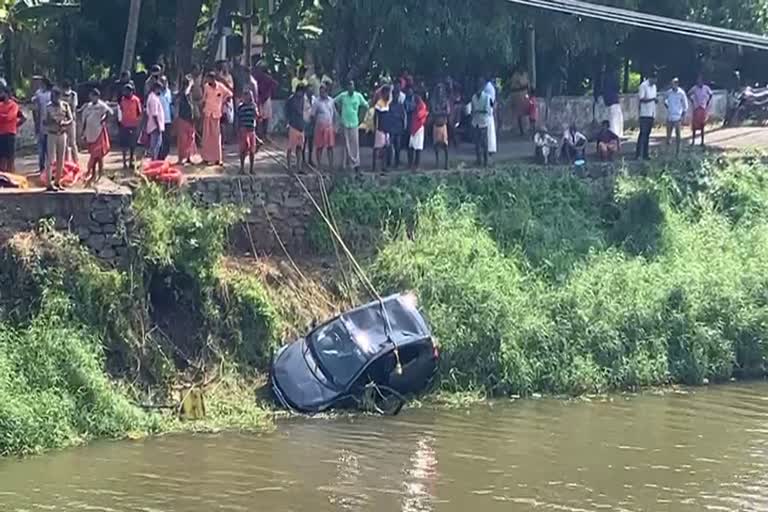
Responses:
[349,103]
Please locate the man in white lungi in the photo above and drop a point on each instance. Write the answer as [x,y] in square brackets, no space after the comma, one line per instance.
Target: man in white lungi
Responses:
[613,103]
[490,90]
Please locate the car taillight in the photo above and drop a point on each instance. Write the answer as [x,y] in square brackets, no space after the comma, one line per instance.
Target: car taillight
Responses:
[435,350]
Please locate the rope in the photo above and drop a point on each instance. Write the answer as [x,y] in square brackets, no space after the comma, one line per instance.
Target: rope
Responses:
[355,265]
[279,239]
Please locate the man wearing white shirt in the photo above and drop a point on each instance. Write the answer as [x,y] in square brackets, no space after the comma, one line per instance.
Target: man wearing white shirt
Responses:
[490,91]
[648,96]
[677,106]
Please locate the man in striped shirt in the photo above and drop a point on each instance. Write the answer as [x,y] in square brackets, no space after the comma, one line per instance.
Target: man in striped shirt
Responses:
[246,125]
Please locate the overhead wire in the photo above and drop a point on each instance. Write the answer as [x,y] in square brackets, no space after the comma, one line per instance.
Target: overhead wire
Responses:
[648,21]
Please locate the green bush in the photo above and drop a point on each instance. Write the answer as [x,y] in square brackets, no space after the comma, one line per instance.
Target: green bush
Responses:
[53,388]
[553,220]
[682,298]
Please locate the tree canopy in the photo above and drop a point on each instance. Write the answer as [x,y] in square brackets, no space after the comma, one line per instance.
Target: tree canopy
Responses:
[364,38]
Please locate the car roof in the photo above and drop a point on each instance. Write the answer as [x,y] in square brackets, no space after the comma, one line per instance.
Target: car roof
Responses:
[368,326]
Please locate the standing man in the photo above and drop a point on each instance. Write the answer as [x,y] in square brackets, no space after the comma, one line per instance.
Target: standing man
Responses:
[11,118]
[185,123]
[196,97]
[441,111]
[648,96]
[215,96]
[224,76]
[166,99]
[701,98]
[381,132]
[267,87]
[350,102]
[246,127]
[40,101]
[490,90]
[399,123]
[613,104]
[95,134]
[418,130]
[70,96]
[155,121]
[481,112]
[294,113]
[58,117]
[677,106]
[129,118]
[155,72]
[323,115]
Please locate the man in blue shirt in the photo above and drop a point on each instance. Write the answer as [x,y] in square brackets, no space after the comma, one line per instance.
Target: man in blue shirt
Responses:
[166,100]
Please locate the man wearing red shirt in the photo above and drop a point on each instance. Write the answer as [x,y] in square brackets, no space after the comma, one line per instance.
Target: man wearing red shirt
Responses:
[129,113]
[11,118]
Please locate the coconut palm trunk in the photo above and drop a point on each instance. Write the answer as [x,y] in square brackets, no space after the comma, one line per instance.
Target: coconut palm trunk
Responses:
[131,34]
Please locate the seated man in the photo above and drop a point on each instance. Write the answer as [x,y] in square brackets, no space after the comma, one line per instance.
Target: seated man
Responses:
[608,143]
[544,144]
[574,144]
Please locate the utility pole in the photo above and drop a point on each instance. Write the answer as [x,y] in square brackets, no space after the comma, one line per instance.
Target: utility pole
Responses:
[250,15]
[532,55]
[131,35]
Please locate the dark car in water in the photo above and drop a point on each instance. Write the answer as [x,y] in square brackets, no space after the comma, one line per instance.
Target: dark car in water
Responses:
[376,353]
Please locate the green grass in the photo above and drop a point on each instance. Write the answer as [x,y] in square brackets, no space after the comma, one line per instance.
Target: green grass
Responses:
[70,328]
[674,291]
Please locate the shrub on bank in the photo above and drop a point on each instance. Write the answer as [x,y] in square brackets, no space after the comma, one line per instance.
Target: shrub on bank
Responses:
[54,391]
[553,220]
[689,306]
[67,324]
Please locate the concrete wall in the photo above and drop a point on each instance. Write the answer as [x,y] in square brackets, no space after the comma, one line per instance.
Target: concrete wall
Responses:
[559,111]
[101,221]
[562,110]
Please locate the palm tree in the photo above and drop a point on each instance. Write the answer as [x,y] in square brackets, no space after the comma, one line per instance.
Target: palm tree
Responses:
[131,34]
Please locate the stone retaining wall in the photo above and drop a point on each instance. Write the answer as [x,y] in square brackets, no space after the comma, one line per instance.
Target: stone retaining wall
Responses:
[273,204]
[101,221]
[277,201]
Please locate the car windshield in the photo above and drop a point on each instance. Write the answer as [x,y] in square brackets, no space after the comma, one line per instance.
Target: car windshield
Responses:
[339,356]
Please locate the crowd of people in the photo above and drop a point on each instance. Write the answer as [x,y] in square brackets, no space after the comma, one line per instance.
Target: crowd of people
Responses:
[207,109]
[608,137]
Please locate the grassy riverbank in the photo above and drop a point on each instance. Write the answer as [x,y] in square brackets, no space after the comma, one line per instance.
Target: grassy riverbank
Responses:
[542,284]
[534,284]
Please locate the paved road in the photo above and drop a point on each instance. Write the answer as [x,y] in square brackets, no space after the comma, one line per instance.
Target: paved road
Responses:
[269,160]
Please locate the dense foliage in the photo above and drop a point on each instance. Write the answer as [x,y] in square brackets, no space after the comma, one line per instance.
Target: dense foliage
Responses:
[552,219]
[66,323]
[362,39]
[679,297]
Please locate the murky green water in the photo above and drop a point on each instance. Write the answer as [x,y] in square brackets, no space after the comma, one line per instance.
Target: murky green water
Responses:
[707,450]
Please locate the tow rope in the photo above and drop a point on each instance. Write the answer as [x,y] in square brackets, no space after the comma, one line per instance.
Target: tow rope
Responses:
[338,239]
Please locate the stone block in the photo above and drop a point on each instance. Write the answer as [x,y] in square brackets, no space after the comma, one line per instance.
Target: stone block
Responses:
[107,254]
[96,242]
[83,232]
[103,216]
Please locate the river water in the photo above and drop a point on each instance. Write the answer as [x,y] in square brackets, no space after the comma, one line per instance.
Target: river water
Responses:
[706,449]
